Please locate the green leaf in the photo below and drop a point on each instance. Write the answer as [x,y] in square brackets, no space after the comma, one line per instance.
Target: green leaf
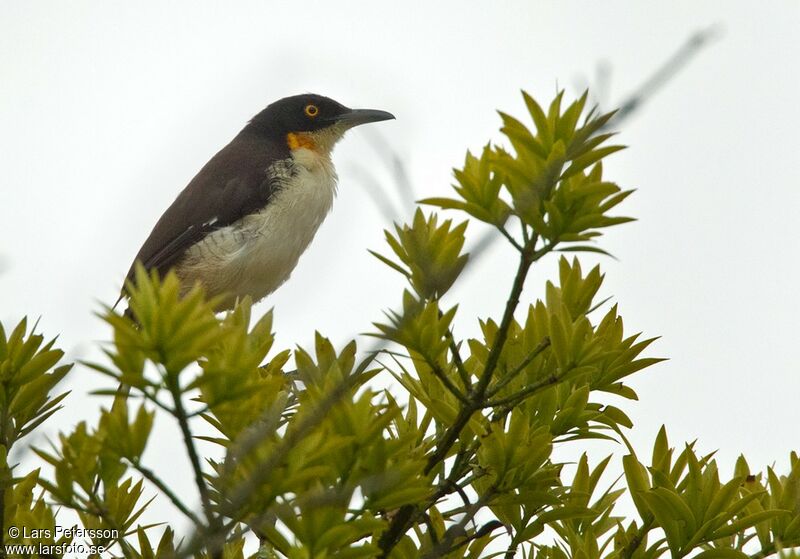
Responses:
[747,522]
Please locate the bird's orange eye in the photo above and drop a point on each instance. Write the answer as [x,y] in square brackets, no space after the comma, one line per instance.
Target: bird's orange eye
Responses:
[312,110]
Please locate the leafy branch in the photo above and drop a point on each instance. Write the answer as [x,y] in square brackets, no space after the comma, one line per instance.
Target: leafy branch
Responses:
[320,459]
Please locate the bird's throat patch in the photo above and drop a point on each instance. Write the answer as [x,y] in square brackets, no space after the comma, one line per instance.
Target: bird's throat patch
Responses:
[297,140]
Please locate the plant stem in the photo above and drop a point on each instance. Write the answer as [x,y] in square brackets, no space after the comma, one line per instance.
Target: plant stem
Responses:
[239,495]
[525,235]
[476,397]
[191,450]
[543,345]
[528,255]
[150,476]
[526,392]
[511,239]
[443,547]
[637,539]
[452,388]
[526,260]
[458,362]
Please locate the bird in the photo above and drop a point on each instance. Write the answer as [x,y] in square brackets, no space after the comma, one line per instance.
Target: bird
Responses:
[242,223]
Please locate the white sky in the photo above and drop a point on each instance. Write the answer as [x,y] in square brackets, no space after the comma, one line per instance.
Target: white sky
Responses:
[107,109]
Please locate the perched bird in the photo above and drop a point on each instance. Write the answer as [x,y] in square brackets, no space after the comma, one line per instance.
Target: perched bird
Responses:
[242,223]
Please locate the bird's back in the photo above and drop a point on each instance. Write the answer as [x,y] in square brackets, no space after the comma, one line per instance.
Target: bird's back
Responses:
[234,183]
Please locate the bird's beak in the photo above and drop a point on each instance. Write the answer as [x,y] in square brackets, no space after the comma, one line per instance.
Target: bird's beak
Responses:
[355,117]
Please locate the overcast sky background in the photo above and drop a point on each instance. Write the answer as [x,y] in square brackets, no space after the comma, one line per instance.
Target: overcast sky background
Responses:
[108,109]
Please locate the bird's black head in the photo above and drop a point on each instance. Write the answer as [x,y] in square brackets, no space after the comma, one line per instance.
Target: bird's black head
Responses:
[312,117]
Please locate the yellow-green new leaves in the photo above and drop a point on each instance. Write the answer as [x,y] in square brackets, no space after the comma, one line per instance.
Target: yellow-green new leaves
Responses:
[547,177]
[686,499]
[479,186]
[774,492]
[171,330]
[576,290]
[317,462]
[512,458]
[421,327]
[124,436]
[27,375]
[515,468]
[77,465]
[554,359]
[583,534]
[335,443]
[329,369]
[85,458]
[165,547]
[325,531]
[579,205]
[120,511]
[430,254]
[235,384]
[28,513]
[553,177]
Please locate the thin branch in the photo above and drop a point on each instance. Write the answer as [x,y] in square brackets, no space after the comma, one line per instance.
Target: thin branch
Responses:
[451,435]
[525,235]
[665,72]
[452,388]
[397,166]
[457,361]
[511,552]
[191,450]
[378,196]
[241,493]
[150,476]
[526,392]
[158,403]
[446,545]
[536,352]
[451,483]
[399,523]
[510,238]
[456,488]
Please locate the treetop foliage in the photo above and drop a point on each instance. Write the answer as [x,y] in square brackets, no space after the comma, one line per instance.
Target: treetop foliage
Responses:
[303,454]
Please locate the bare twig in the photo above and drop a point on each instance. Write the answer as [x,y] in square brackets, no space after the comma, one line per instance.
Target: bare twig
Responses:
[377,194]
[688,50]
[395,163]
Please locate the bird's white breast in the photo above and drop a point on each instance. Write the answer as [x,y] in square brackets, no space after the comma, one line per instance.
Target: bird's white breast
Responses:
[256,255]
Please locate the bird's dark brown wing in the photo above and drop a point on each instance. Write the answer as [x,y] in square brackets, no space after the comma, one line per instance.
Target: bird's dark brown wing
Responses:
[237,181]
